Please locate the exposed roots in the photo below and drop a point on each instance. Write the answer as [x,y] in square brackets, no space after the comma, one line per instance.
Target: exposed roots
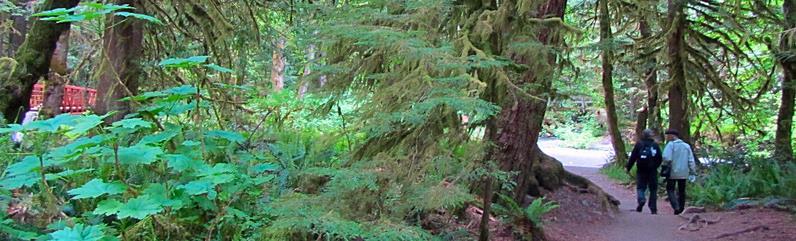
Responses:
[549,175]
[697,222]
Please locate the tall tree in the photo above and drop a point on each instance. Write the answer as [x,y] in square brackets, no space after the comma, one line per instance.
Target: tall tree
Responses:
[678,91]
[33,61]
[278,65]
[19,27]
[606,39]
[56,80]
[650,115]
[119,70]
[784,134]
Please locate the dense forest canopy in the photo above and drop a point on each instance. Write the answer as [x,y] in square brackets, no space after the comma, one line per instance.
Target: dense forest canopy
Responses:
[373,120]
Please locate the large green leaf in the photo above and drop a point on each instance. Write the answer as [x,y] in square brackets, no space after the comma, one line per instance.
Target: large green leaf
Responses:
[139,154]
[158,193]
[133,123]
[107,207]
[18,181]
[66,173]
[11,128]
[139,208]
[227,135]
[160,137]
[52,125]
[200,187]
[83,124]
[140,16]
[79,232]
[22,173]
[26,165]
[180,163]
[183,62]
[96,188]
[218,68]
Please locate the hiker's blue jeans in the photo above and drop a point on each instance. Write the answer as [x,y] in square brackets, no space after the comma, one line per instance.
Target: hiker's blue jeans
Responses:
[646,182]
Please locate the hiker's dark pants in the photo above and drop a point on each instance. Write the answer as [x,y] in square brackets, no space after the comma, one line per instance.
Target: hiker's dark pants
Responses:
[676,199]
[644,182]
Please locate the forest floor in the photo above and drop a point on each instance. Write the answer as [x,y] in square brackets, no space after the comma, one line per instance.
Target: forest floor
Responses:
[752,224]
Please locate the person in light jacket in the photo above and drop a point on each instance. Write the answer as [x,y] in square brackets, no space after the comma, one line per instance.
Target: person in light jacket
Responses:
[679,159]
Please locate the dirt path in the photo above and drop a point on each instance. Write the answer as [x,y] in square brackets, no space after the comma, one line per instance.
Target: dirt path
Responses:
[628,225]
[750,224]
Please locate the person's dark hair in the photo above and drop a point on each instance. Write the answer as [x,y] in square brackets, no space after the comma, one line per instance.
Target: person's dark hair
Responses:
[647,134]
[673,132]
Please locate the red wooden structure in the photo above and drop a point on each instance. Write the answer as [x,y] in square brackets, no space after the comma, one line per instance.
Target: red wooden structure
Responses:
[76,99]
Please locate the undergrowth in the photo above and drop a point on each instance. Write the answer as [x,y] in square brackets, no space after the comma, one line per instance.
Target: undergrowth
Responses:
[618,173]
[727,184]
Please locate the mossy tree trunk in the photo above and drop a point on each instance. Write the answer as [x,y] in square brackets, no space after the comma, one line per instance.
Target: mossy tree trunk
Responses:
[33,62]
[3,18]
[678,91]
[650,115]
[784,135]
[120,70]
[19,28]
[514,131]
[606,37]
[56,80]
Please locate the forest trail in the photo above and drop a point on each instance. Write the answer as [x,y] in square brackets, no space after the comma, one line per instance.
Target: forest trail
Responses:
[628,225]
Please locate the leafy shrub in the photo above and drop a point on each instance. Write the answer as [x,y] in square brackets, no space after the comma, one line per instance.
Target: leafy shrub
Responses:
[518,215]
[618,173]
[575,138]
[760,178]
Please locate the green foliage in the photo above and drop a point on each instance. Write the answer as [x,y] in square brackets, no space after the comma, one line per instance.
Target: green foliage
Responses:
[723,184]
[91,11]
[191,62]
[618,173]
[518,215]
[96,188]
[579,139]
[81,232]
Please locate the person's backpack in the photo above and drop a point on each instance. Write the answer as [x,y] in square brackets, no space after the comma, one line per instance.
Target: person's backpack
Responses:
[645,158]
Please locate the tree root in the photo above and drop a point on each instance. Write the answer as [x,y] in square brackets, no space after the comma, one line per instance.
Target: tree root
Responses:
[697,222]
[751,229]
[551,175]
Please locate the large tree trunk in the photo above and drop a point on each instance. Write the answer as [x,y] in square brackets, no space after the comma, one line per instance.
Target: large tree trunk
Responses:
[278,65]
[20,28]
[606,37]
[678,92]
[305,83]
[520,119]
[650,115]
[3,18]
[119,70]
[56,80]
[782,141]
[33,62]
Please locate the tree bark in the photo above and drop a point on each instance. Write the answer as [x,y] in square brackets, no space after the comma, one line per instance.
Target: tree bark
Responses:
[678,91]
[305,83]
[520,119]
[278,66]
[56,80]
[650,115]
[33,62]
[783,149]
[606,37]
[119,70]
[3,18]
[20,28]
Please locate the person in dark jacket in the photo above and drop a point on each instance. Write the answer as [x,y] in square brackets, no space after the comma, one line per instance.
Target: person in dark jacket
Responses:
[647,157]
